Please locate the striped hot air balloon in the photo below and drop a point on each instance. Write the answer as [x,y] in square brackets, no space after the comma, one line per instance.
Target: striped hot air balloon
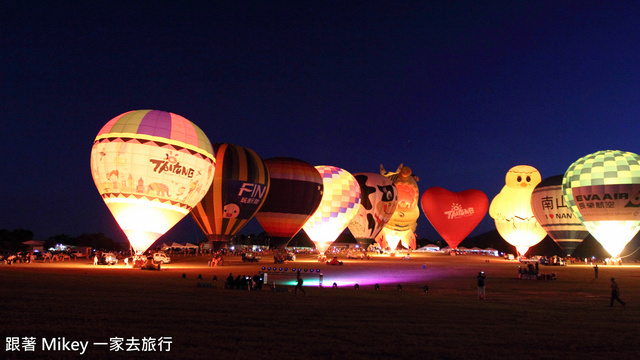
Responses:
[294,195]
[151,168]
[239,188]
[552,212]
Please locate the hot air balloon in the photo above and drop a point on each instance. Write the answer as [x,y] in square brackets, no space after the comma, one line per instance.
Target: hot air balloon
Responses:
[295,192]
[603,190]
[403,222]
[454,215]
[552,212]
[379,198]
[240,185]
[151,168]
[339,205]
[511,209]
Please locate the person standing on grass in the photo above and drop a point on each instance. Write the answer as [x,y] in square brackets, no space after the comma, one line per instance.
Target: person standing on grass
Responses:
[299,285]
[481,292]
[615,293]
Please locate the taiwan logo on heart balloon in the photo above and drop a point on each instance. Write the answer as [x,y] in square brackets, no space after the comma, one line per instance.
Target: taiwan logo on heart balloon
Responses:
[454,215]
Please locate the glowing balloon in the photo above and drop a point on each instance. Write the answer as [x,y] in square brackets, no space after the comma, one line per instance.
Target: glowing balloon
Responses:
[294,195]
[603,190]
[454,215]
[404,219]
[379,198]
[511,209]
[151,168]
[552,212]
[389,238]
[339,205]
[240,185]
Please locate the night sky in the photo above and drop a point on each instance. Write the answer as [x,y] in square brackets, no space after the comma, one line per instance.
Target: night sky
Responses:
[458,91]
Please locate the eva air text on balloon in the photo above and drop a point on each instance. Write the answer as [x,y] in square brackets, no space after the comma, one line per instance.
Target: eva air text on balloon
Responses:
[608,202]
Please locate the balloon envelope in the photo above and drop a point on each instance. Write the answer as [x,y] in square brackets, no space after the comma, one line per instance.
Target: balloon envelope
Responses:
[511,209]
[379,198]
[240,185]
[552,212]
[338,206]
[454,215]
[603,190]
[295,192]
[404,219]
[151,168]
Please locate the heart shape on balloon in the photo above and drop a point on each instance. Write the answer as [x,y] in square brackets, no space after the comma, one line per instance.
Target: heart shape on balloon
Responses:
[454,215]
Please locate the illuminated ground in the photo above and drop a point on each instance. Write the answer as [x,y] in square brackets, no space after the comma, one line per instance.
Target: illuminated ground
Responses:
[525,319]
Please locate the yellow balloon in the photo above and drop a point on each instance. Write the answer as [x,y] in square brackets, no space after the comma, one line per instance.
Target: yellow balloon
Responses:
[511,209]
[151,168]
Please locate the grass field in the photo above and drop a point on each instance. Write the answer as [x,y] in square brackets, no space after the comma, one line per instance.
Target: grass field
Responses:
[568,318]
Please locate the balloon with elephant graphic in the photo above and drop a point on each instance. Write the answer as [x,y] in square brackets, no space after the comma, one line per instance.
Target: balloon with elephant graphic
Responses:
[295,191]
[603,190]
[239,188]
[552,212]
[379,198]
[151,168]
[339,205]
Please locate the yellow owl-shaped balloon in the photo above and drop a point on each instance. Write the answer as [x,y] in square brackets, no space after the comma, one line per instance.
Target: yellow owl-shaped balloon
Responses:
[511,209]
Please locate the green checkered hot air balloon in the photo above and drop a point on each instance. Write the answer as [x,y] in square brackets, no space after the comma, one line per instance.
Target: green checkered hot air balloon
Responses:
[603,190]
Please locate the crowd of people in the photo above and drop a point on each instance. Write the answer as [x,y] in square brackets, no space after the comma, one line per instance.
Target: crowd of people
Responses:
[245,282]
[532,272]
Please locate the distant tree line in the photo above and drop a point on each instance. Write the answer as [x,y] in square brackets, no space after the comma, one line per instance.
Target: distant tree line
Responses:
[12,240]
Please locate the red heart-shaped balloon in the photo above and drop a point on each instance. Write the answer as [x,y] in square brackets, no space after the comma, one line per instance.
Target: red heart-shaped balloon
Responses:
[454,215]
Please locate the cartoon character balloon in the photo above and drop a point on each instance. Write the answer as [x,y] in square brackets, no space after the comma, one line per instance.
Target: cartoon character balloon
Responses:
[379,198]
[552,212]
[151,168]
[454,215]
[404,219]
[511,209]
[339,205]
[294,195]
[240,186]
[603,190]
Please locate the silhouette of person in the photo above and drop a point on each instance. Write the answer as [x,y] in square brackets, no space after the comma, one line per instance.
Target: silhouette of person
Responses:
[615,293]
[481,292]
[299,285]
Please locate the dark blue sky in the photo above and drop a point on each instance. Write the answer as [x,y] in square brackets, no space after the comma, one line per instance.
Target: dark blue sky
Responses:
[458,91]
